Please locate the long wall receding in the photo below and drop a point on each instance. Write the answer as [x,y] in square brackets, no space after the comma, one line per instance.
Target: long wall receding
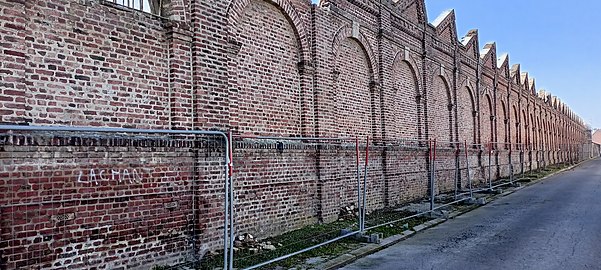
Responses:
[278,68]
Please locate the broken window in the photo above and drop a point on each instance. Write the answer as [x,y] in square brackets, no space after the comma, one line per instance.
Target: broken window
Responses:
[150,6]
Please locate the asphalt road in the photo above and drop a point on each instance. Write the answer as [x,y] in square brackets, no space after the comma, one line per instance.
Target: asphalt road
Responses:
[554,224]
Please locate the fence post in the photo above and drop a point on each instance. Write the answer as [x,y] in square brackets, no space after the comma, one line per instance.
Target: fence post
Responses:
[467,164]
[433,176]
[359,208]
[489,165]
[365,184]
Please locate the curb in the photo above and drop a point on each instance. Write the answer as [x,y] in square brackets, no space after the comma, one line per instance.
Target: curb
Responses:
[368,249]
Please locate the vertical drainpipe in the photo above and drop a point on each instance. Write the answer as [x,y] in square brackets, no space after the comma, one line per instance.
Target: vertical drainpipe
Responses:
[424,100]
[192,67]
[495,132]
[455,109]
[316,112]
[382,118]
[169,84]
[192,117]
[508,125]
[479,139]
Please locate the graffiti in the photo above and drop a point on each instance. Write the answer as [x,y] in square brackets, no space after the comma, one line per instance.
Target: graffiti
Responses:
[95,176]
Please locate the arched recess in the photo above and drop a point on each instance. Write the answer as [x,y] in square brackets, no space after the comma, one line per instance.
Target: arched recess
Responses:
[539,132]
[267,49]
[406,108]
[525,132]
[503,133]
[534,136]
[516,127]
[354,86]
[466,115]
[546,135]
[346,32]
[487,124]
[440,110]
[238,8]
[552,132]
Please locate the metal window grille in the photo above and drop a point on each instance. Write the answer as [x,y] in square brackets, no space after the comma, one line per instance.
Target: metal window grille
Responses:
[150,6]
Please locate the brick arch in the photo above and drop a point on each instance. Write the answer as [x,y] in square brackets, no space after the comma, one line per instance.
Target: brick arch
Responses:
[539,133]
[533,135]
[442,73]
[524,128]
[235,13]
[409,60]
[446,79]
[505,123]
[355,92]
[406,107]
[517,127]
[466,113]
[345,32]
[489,119]
[440,109]
[258,95]
[546,133]
[447,85]
[554,132]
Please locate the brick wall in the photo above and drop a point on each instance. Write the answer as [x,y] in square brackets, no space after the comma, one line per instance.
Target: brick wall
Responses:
[87,201]
[268,68]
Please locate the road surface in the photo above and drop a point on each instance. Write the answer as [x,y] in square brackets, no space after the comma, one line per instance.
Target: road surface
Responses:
[553,224]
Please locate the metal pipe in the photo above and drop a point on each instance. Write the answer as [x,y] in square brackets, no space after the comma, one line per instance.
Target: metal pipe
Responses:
[301,251]
[415,215]
[433,178]
[430,170]
[226,209]
[365,184]
[345,236]
[434,169]
[457,155]
[489,165]
[359,218]
[232,200]
[293,138]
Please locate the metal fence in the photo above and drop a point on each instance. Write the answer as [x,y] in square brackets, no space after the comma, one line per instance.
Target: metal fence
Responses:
[278,189]
[109,198]
[83,197]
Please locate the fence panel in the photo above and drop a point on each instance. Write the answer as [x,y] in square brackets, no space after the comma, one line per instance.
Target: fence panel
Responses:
[86,198]
[292,194]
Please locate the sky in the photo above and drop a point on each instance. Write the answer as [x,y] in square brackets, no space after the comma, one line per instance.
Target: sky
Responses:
[554,41]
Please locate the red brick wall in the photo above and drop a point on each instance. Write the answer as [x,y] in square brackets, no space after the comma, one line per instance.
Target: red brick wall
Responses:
[404,107]
[84,65]
[439,100]
[78,202]
[466,121]
[354,102]
[267,99]
[277,188]
[278,68]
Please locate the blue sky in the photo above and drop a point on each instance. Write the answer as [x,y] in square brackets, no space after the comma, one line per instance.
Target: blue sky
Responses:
[554,41]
